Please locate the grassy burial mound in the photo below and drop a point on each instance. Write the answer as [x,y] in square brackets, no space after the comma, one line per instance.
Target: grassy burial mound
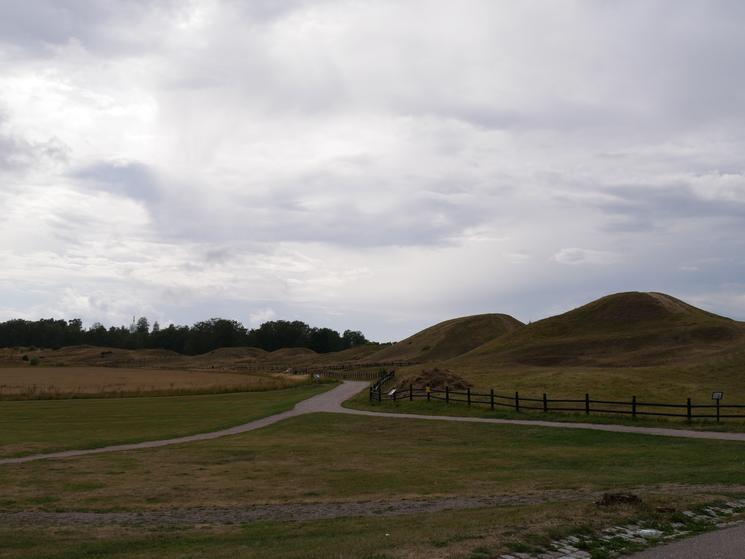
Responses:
[449,339]
[231,355]
[624,329]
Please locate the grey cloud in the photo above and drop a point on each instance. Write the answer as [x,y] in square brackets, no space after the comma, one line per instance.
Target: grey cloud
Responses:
[17,153]
[650,204]
[417,222]
[104,25]
[124,178]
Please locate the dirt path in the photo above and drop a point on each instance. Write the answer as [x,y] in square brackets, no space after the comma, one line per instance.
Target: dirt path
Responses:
[331,402]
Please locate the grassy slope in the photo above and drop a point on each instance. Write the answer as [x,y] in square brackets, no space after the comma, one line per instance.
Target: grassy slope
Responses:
[448,339]
[41,426]
[624,329]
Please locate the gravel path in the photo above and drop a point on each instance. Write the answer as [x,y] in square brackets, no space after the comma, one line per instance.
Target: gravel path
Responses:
[331,402]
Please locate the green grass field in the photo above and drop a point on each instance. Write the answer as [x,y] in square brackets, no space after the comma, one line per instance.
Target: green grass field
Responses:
[373,458]
[331,458]
[43,426]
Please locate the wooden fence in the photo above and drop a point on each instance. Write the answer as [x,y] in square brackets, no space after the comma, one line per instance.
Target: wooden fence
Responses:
[377,388]
[633,407]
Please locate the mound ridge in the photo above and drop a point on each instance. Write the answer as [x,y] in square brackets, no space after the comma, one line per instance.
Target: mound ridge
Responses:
[623,329]
[448,339]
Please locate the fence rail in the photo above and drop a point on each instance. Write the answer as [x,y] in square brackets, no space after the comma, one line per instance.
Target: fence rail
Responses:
[586,405]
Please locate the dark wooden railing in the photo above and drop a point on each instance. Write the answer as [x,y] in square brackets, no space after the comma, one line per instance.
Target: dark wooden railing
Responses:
[586,405]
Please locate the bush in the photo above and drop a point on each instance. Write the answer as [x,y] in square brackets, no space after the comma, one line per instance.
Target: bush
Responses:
[34,361]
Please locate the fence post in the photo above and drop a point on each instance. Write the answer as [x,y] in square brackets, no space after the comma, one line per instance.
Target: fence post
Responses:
[492,399]
[429,391]
[469,395]
[447,395]
[633,407]
[688,406]
[717,411]
[371,393]
[380,392]
[411,393]
[517,402]
[394,396]
[587,404]
[545,403]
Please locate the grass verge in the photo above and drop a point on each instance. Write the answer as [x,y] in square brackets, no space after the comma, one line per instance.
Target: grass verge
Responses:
[457,534]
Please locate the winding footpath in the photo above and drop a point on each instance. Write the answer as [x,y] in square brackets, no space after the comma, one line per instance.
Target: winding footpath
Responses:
[331,402]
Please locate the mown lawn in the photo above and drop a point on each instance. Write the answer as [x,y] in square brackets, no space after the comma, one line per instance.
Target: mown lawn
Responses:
[34,426]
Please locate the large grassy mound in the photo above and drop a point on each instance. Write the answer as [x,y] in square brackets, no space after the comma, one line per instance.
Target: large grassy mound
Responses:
[449,339]
[624,329]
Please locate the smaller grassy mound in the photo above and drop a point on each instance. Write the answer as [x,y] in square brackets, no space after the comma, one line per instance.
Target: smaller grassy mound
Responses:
[232,355]
[448,339]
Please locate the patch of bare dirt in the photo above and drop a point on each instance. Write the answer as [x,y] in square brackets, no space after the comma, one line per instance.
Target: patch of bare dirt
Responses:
[436,378]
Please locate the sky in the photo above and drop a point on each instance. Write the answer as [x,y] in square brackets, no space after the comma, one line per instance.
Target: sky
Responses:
[374,165]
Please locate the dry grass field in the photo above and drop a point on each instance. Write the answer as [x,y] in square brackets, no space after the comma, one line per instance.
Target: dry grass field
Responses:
[64,382]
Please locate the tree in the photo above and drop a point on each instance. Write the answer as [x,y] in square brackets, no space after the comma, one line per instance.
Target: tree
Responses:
[143,326]
[353,338]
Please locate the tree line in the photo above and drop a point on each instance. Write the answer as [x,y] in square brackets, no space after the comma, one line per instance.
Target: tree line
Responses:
[191,340]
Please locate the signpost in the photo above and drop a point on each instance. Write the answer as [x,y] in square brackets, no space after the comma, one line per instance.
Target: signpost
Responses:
[717,396]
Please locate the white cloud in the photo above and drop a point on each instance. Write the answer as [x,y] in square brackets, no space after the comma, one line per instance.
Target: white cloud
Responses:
[584,256]
[390,163]
[262,315]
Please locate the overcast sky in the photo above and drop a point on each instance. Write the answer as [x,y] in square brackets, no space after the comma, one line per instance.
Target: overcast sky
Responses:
[375,165]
